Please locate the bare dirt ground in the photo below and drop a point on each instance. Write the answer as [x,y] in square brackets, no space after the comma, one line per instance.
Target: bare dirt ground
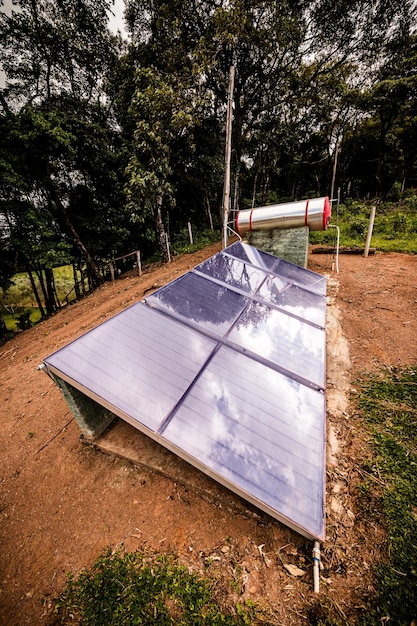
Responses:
[63,502]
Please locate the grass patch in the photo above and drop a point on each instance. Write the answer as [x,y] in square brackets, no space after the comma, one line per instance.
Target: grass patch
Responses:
[389,407]
[21,319]
[137,588]
[20,294]
[201,239]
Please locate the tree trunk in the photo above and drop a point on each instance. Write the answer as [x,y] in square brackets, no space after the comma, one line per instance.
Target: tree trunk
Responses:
[50,304]
[93,272]
[209,209]
[36,294]
[50,287]
[160,230]
[255,184]
[3,328]
[76,284]
[265,185]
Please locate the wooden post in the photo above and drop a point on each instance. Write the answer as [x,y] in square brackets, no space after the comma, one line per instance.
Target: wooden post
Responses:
[190,233]
[167,245]
[111,267]
[138,261]
[370,229]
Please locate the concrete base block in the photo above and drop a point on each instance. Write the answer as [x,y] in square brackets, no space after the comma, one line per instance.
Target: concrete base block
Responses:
[92,418]
[288,244]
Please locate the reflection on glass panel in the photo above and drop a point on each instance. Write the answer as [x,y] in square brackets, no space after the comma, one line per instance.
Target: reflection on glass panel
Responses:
[261,431]
[290,343]
[232,272]
[300,276]
[139,361]
[209,304]
[305,304]
[252,255]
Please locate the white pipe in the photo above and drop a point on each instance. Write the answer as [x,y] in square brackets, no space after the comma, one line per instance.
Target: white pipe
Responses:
[370,229]
[316,567]
[337,245]
[233,231]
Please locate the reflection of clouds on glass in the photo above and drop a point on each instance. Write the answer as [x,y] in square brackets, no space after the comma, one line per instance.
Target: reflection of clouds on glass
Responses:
[257,428]
[256,257]
[309,313]
[299,302]
[289,342]
[297,407]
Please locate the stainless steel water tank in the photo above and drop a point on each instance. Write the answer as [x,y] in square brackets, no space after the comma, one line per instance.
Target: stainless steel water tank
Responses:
[314,213]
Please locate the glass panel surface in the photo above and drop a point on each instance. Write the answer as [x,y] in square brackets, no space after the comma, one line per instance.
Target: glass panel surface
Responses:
[201,301]
[252,255]
[300,276]
[139,361]
[300,302]
[232,272]
[260,431]
[290,343]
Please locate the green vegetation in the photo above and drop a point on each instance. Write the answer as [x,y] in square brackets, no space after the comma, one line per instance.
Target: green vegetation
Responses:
[181,242]
[395,226]
[17,304]
[389,408]
[137,588]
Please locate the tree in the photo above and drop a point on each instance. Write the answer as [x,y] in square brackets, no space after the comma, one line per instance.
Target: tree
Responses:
[381,150]
[163,114]
[61,143]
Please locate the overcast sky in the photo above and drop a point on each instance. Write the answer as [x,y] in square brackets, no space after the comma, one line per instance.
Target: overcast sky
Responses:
[116,21]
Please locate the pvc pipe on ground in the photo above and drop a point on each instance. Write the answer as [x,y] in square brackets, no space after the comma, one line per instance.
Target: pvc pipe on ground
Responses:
[316,567]
[337,245]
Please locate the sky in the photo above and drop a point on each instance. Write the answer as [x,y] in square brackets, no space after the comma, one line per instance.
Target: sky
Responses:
[116,21]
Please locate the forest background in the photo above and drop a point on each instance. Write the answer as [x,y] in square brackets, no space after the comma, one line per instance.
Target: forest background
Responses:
[111,143]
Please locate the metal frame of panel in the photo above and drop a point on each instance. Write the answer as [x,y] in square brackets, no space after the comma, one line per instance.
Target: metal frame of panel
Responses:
[225,366]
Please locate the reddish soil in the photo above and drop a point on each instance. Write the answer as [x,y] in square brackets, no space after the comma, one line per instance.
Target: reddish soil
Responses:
[63,502]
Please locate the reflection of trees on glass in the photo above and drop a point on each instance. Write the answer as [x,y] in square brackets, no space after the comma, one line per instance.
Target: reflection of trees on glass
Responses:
[202,301]
[301,277]
[233,272]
